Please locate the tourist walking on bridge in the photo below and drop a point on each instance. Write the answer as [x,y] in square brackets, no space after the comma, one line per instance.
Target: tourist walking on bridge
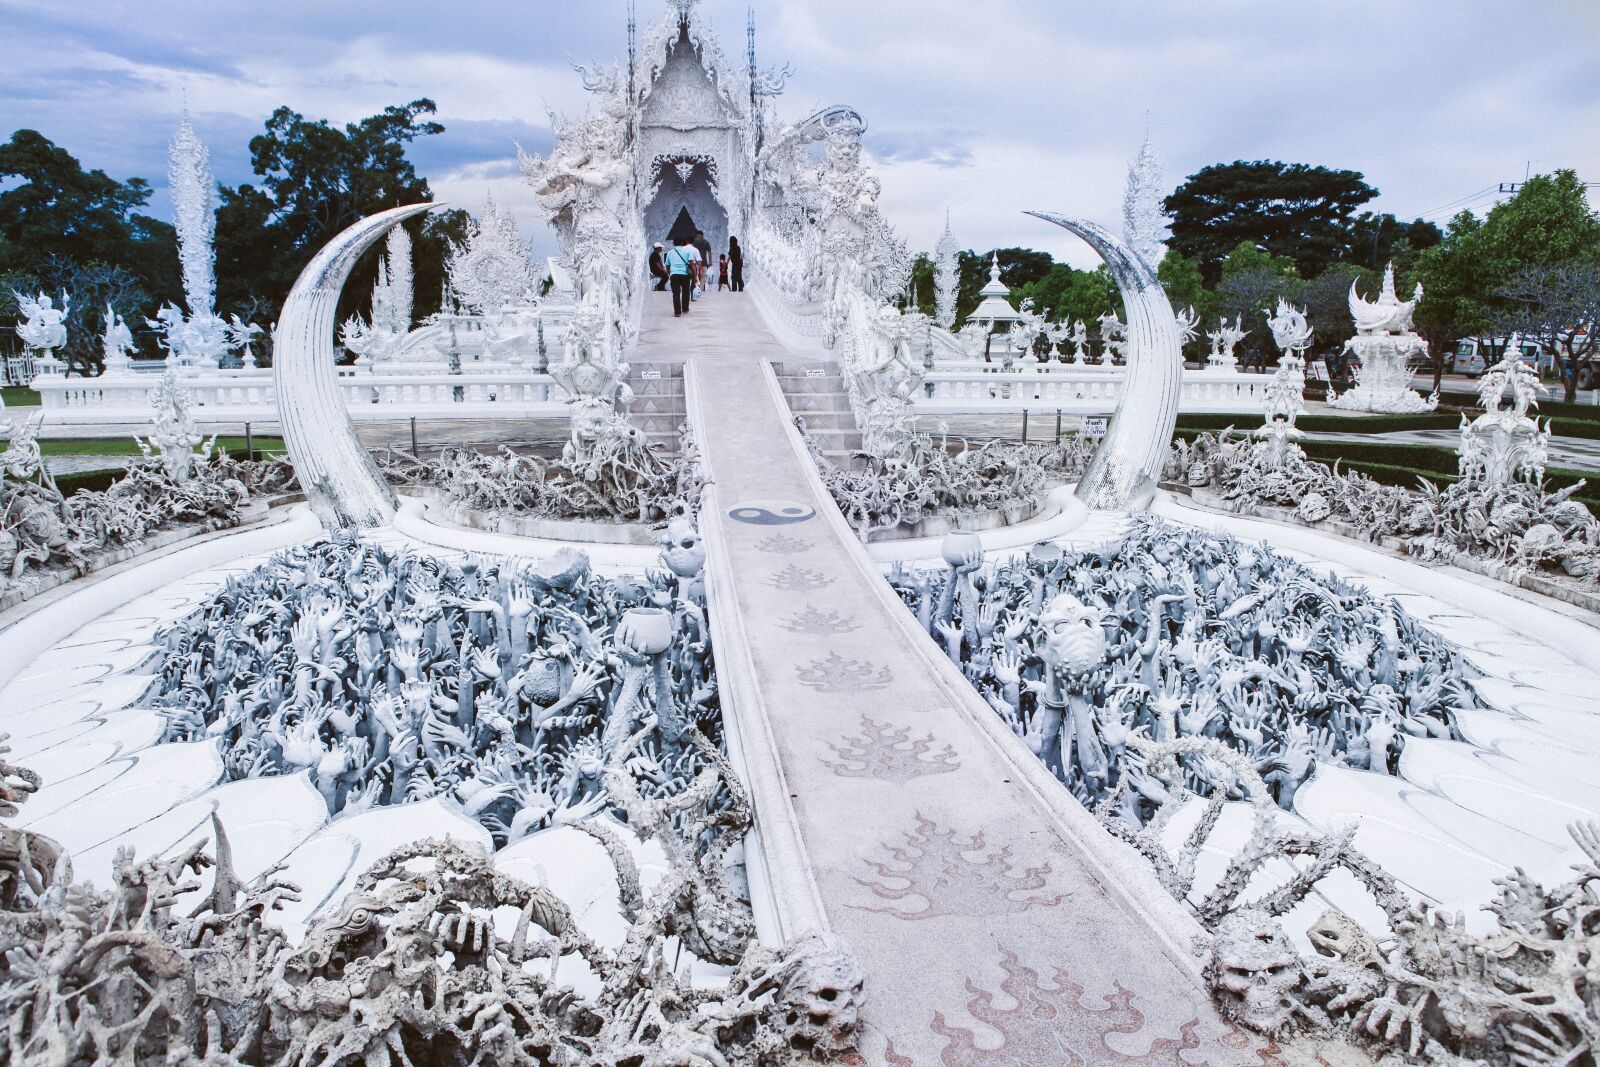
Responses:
[736,264]
[681,264]
[703,246]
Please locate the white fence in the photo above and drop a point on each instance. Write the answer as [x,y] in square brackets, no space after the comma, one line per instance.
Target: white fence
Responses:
[1090,390]
[249,396]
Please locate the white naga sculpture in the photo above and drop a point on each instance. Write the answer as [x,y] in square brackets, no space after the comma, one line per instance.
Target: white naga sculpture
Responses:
[595,381]
[1385,344]
[1080,343]
[1505,444]
[1113,339]
[1188,324]
[43,328]
[1224,339]
[892,378]
[1285,399]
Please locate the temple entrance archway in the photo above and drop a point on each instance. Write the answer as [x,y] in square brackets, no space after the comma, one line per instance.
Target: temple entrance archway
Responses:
[686,199]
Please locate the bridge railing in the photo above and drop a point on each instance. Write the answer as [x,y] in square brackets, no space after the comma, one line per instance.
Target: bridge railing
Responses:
[1080,389]
[234,396]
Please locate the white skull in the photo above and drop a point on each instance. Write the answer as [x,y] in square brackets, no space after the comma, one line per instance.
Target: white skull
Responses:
[1254,971]
[820,996]
[683,549]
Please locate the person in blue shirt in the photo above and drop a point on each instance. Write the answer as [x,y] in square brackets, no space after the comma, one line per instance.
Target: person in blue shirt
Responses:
[681,264]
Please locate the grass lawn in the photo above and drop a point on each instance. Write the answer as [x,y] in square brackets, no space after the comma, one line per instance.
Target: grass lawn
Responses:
[19,396]
[122,446]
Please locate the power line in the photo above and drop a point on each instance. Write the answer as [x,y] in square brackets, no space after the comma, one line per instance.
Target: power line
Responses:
[1454,203]
[1457,208]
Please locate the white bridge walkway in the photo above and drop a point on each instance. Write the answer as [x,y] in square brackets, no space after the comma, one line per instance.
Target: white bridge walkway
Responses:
[951,866]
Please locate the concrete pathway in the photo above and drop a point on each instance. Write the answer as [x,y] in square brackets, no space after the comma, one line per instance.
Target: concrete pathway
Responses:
[985,934]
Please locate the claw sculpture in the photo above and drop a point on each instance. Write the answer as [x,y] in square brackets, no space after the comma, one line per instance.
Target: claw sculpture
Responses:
[1124,472]
[340,479]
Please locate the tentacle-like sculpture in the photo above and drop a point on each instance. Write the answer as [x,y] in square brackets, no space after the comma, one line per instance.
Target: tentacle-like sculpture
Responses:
[1125,470]
[340,479]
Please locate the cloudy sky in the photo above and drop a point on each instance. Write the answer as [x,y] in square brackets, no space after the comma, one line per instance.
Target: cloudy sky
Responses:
[986,108]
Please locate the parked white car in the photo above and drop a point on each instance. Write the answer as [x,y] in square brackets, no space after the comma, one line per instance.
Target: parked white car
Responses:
[1473,354]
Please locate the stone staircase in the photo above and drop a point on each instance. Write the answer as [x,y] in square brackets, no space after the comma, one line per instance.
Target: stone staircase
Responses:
[658,408]
[815,392]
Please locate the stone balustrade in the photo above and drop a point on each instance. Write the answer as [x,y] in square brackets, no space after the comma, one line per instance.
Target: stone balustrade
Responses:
[1091,389]
[248,395]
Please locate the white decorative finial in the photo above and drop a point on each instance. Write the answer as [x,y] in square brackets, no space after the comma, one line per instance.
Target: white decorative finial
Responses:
[1144,224]
[194,193]
[946,276]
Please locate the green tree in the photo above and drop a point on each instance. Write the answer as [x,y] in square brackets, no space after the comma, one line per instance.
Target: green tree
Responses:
[1290,209]
[1377,240]
[1548,222]
[316,179]
[1558,306]
[1475,279]
[65,229]
[922,288]
[56,208]
[1457,277]
[1253,280]
[92,289]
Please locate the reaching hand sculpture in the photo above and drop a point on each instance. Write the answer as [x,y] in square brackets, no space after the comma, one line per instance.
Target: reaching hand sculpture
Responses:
[391,678]
[1173,633]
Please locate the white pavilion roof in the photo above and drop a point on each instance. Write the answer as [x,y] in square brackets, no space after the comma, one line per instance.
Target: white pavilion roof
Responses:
[994,307]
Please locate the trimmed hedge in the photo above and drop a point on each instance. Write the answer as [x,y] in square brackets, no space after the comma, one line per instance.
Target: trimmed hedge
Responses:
[94,481]
[1402,465]
[1560,425]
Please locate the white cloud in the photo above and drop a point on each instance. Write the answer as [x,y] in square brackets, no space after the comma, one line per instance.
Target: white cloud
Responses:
[987,109]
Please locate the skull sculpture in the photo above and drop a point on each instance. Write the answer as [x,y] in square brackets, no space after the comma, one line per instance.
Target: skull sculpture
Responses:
[683,549]
[1076,643]
[820,995]
[1254,972]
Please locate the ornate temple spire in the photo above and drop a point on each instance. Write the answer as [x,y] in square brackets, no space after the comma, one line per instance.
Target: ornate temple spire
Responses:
[946,277]
[194,194]
[1144,223]
[392,296]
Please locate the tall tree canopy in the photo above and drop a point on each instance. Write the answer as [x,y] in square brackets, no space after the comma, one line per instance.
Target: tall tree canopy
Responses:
[317,179]
[1290,209]
[1477,280]
[57,211]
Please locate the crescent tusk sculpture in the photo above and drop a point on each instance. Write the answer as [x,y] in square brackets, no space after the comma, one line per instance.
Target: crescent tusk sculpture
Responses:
[341,482]
[1127,466]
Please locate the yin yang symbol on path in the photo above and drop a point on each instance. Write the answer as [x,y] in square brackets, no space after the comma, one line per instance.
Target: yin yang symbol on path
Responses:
[771,512]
